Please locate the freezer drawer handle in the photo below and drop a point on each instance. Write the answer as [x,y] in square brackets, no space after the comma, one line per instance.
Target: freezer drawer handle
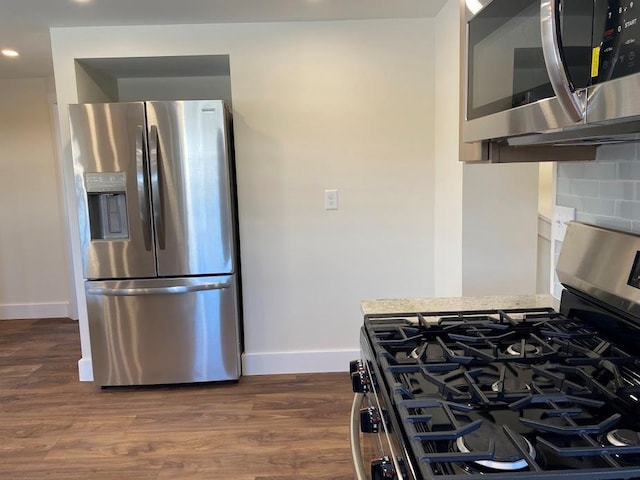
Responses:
[158,290]
[143,189]
[154,161]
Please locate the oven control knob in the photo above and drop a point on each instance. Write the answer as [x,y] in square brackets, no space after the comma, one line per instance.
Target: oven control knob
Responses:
[355,365]
[360,381]
[371,419]
[383,469]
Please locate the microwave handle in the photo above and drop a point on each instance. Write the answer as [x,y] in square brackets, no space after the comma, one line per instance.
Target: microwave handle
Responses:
[569,100]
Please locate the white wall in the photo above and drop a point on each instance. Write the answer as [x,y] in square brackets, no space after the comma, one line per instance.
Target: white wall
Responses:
[500,229]
[175,88]
[346,105]
[546,186]
[448,170]
[34,280]
[546,202]
[485,215]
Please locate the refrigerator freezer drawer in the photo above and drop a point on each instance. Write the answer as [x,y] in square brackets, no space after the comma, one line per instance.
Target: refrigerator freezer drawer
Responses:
[162,331]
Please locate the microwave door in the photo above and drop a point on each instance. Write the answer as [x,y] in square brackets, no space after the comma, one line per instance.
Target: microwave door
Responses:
[191,187]
[111,177]
[573,104]
[508,90]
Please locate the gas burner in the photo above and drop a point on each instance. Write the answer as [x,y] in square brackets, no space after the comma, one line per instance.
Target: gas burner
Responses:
[507,456]
[516,349]
[510,386]
[416,353]
[623,438]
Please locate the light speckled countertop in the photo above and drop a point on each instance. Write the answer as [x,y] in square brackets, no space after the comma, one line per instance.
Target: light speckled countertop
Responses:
[455,304]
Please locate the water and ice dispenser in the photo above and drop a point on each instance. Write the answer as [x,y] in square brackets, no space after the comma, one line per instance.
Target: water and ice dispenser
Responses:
[107,202]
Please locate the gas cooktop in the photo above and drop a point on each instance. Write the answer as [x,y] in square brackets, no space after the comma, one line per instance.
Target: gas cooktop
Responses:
[518,393]
[515,391]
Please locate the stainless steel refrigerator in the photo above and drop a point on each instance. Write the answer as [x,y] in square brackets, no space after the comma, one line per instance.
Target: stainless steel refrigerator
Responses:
[156,204]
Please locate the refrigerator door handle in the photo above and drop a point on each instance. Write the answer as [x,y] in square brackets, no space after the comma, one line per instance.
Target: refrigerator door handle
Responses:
[141,177]
[158,290]
[154,161]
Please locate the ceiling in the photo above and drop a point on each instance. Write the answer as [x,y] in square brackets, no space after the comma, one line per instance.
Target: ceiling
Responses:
[24,24]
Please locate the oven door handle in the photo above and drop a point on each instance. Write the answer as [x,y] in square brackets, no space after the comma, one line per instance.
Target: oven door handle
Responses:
[356,453]
[569,100]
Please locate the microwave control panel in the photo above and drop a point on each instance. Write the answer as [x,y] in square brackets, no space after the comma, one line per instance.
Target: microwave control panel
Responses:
[616,34]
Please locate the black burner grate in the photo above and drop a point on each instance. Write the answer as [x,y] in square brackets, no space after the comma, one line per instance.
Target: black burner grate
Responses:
[510,394]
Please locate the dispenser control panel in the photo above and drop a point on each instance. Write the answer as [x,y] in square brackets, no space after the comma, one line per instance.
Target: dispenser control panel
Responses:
[105,182]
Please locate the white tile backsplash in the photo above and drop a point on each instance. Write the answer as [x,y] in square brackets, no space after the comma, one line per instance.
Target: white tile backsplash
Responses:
[617,189]
[605,192]
[585,188]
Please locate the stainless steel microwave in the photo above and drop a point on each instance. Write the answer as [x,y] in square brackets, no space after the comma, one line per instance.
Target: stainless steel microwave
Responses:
[552,72]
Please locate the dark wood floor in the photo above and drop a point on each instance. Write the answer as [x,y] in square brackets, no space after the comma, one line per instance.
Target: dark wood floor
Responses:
[281,427]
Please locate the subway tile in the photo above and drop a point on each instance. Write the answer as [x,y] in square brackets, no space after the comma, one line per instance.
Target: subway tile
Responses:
[618,190]
[601,171]
[572,201]
[635,227]
[622,151]
[571,169]
[599,206]
[629,170]
[604,221]
[589,218]
[585,188]
[628,210]
[611,222]
[563,186]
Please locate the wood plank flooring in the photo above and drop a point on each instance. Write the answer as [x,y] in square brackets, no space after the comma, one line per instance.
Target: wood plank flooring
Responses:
[280,427]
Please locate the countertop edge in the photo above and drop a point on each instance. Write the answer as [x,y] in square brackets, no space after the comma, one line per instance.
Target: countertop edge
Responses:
[451,304]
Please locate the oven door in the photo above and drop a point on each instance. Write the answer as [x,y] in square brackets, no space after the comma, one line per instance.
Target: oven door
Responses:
[365,447]
[528,65]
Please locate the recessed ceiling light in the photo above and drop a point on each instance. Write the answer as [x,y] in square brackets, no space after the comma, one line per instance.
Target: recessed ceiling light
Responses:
[9,52]
[82,1]
[474,5]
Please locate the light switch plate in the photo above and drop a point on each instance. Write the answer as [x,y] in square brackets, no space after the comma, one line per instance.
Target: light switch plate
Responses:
[561,217]
[331,199]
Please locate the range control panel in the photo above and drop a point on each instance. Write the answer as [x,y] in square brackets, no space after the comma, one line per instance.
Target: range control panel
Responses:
[634,276]
[616,35]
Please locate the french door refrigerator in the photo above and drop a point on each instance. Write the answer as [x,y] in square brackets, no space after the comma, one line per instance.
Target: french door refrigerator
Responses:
[156,204]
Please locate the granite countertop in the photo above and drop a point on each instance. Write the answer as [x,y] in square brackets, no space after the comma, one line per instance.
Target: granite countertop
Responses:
[448,304]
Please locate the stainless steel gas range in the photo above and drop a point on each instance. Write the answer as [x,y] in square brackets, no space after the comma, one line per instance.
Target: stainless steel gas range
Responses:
[520,393]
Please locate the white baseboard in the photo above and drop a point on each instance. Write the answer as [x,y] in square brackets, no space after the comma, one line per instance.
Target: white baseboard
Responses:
[298,362]
[35,310]
[85,370]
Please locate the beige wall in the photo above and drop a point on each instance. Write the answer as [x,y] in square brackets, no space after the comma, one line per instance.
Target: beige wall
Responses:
[346,105]
[34,278]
